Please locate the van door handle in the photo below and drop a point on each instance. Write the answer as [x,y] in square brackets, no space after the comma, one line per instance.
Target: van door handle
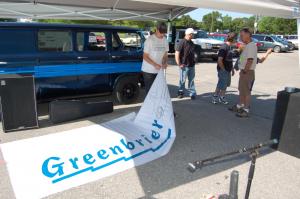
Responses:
[115,57]
[82,57]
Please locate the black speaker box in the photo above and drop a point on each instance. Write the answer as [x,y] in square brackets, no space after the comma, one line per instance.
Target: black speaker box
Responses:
[286,123]
[18,102]
[67,110]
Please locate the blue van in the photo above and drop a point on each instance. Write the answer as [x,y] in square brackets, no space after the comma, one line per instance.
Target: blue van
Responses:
[70,61]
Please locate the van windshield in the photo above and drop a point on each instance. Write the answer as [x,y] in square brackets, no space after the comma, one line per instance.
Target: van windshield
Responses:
[200,35]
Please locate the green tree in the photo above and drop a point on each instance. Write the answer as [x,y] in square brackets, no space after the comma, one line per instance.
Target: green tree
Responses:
[186,21]
[273,25]
[130,23]
[239,23]
[7,20]
[227,23]
[212,21]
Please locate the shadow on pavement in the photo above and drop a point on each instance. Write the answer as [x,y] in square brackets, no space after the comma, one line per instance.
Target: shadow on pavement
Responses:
[203,130]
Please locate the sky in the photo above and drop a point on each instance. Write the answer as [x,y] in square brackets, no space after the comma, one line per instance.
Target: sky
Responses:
[199,13]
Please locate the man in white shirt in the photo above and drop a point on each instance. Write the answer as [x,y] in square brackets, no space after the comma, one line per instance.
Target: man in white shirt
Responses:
[247,65]
[155,56]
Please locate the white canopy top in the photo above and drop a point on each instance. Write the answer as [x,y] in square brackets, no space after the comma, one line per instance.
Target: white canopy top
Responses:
[90,9]
[275,8]
[139,9]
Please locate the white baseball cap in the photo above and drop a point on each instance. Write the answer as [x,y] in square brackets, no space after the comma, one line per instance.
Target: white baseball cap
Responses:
[189,31]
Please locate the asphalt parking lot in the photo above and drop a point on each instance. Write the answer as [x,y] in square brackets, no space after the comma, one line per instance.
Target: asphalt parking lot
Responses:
[203,130]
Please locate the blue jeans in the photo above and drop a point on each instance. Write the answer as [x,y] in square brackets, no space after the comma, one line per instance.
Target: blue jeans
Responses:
[187,72]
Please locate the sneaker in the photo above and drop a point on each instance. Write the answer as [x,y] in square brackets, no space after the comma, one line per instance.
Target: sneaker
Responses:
[243,113]
[222,100]
[193,97]
[214,99]
[235,109]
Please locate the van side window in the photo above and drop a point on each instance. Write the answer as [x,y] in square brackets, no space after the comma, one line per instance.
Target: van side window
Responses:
[97,41]
[131,41]
[80,41]
[55,41]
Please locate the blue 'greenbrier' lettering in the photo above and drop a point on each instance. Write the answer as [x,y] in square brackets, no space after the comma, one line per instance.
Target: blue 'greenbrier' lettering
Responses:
[115,148]
[73,162]
[89,159]
[156,124]
[155,135]
[58,167]
[139,141]
[128,145]
[147,139]
[54,166]
[101,154]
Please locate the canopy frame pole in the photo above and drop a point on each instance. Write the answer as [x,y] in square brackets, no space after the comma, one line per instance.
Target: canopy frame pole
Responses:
[115,5]
[179,13]
[137,15]
[169,25]
[69,13]
[298,33]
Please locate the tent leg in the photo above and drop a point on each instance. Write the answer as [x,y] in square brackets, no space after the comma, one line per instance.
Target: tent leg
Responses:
[168,35]
[298,32]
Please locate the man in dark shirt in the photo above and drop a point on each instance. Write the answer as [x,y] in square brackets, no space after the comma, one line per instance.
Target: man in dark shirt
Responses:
[225,70]
[185,59]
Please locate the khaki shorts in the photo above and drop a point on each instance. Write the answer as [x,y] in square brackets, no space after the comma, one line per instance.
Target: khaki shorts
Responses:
[246,82]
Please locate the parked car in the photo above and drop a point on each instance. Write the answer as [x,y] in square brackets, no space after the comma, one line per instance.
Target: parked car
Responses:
[146,34]
[293,39]
[205,47]
[218,36]
[273,42]
[71,61]
[280,36]
[260,45]
[130,39]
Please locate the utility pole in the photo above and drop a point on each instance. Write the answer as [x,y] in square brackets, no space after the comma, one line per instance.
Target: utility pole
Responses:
[212,22]
[255,24]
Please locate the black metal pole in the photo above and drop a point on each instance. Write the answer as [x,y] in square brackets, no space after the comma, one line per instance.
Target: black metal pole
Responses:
[251,172]
[234,183]
[193,166]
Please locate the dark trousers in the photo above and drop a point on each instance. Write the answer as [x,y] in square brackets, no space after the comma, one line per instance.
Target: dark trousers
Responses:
[148,80]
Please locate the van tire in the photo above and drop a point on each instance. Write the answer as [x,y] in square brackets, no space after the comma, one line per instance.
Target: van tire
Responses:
[277,49]
[127,90]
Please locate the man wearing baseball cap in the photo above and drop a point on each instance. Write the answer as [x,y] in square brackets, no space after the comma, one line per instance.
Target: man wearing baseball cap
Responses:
[155,56]
[185,59]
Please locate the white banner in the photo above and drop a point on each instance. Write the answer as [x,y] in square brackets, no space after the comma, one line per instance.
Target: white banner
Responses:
[48,164]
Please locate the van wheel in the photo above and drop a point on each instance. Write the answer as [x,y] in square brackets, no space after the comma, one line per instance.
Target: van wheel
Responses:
[127,90]
[277,49]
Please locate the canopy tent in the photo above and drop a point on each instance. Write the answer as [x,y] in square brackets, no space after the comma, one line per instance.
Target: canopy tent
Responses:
[141,9]
[275,8]
[90,9]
